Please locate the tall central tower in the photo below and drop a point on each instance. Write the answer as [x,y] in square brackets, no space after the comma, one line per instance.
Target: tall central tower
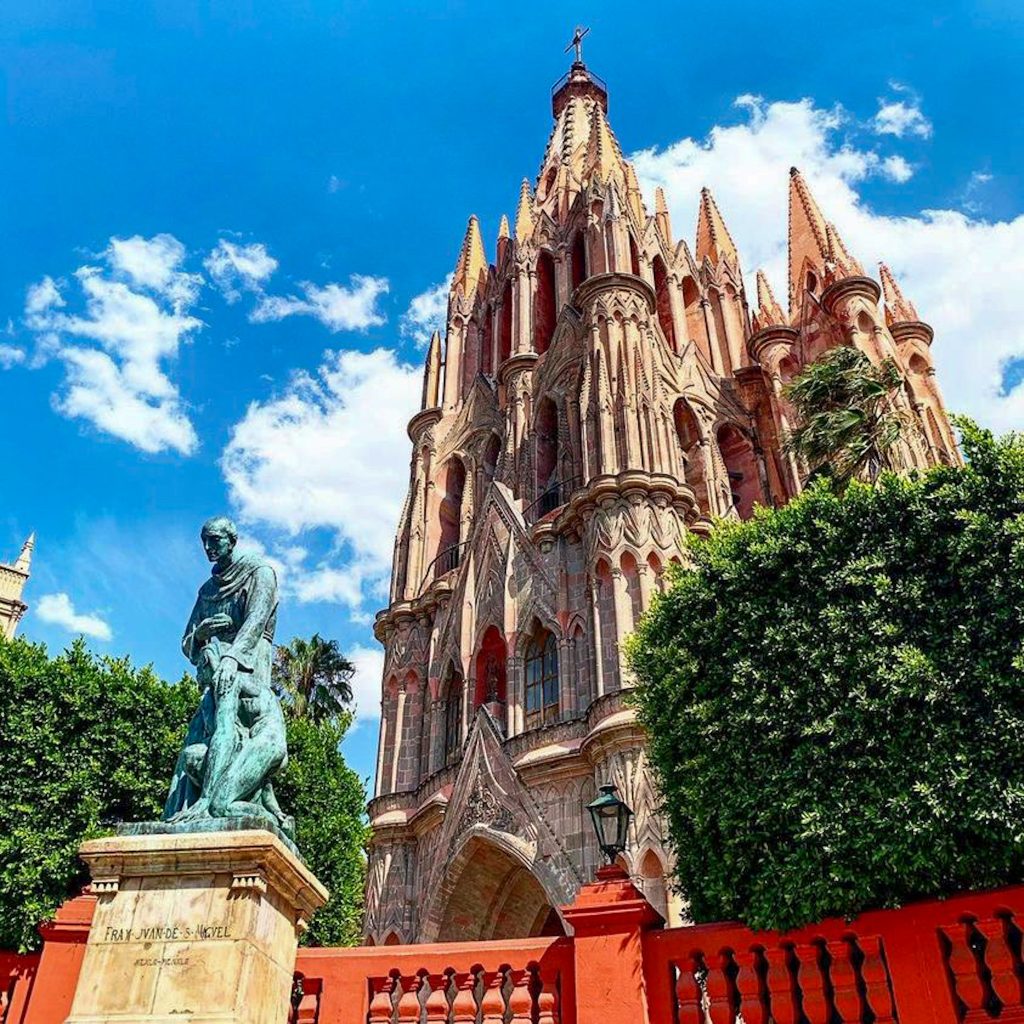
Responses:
[601,390]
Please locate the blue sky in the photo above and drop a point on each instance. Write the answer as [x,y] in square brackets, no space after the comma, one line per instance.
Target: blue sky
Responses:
[224,225]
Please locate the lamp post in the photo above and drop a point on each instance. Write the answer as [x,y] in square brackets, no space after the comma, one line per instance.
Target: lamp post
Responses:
[611,821]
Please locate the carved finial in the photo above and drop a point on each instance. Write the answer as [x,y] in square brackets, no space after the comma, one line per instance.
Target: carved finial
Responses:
[713,238]
[524,213]
[898,309]
[24,562]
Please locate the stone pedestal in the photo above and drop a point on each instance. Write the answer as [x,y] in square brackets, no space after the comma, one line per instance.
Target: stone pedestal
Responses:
[198,927]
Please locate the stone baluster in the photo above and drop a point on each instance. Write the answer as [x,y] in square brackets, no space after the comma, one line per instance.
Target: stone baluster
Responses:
[520,1000]
[753,1005]
[464,1005]
[812,983]
[381,1004]
[876,980]
[547,1000]
[409,1002]
[1000,960]
[688,994]
[785,1008]
[845,994]
[719,988]
[437,1001]
[492,1005]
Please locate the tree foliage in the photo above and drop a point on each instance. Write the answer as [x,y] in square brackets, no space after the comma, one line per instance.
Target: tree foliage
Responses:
[328,800]
[314,677]
[86,742]
[89,741]
[834,693]
[847,426]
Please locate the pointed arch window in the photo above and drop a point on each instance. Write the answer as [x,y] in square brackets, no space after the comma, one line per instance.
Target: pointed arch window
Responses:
[542,699]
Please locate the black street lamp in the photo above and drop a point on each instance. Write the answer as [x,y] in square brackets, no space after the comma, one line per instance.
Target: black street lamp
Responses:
[611,821]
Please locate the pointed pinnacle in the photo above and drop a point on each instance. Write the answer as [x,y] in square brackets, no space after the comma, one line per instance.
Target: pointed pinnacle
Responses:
[898,309]
[808,235]
[661,216]
[24,562]
[432,373]
[524,213]
[769,312]
[844,262]
[472,259]
[713,239]
[503,231]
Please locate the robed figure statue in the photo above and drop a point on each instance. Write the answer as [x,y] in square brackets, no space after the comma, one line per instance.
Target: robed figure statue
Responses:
[236,739]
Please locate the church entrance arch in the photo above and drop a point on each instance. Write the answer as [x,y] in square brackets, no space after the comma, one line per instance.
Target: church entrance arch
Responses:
[490,895]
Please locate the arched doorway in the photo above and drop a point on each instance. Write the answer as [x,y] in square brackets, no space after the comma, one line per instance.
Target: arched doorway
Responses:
[492,896]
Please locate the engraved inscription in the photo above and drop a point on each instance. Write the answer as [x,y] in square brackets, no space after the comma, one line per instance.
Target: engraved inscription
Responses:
[196,932]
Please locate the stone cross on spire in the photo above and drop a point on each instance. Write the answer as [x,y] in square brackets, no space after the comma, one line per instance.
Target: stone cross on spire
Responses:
[577,42]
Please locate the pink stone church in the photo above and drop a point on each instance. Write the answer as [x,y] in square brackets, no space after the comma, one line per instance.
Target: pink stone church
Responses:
[601,390]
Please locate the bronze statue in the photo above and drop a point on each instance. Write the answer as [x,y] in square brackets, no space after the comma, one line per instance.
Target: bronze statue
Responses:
[236,739]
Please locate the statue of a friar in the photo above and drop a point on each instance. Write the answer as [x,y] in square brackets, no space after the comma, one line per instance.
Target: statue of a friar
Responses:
[236,739]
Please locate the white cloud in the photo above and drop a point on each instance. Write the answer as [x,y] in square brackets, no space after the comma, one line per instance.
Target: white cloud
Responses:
[58,610]
[895,168]
[896,117]
[953,267]
[116,352]
[428,312]
[154,264]
[236,268]
[337,307]
[330,453]
[366,682]
[10,355]
[42,297]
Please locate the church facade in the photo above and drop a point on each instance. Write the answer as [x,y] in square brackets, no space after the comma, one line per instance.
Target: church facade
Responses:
[13,578]
[601,391]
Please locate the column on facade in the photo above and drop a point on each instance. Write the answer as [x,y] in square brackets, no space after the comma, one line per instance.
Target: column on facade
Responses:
[675,302]
[397,745]
[453,362]
[623,616]
[566,677]
[563,277]
[522,309]
[645,576]
[514,711]
[597,629]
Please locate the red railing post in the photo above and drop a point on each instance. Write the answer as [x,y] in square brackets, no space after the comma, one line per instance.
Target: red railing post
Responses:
[609,918]
[64,940]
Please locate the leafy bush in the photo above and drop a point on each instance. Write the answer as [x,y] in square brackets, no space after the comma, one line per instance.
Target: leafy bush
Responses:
[835,696]
[328,800]
[88,741]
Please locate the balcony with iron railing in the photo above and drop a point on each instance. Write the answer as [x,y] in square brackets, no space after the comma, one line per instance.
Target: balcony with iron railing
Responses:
[554,496]
[446,561]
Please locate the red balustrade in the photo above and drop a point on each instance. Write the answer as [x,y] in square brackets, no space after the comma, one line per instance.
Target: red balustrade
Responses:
[935,962]
[955,961]
[521,981]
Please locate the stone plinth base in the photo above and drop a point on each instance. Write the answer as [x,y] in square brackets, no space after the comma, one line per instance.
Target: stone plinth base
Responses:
[201,927]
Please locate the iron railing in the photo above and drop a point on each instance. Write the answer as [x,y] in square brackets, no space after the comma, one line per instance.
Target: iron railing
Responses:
[445,562]
[554,496]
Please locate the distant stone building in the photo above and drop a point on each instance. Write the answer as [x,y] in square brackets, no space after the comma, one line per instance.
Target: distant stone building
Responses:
[601,390]
[12,584]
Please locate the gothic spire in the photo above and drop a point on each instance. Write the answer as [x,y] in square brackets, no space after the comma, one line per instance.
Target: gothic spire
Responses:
[24,562]
[432,374]
[808,235]
[472,264]
[897,308]
[713,238]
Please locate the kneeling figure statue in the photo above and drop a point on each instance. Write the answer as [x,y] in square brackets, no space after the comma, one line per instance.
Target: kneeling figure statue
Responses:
[236,739]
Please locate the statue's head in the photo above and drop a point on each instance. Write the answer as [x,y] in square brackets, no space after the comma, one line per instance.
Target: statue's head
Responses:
[219,536]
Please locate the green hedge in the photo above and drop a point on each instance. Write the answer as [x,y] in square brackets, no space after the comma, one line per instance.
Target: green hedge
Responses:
[835,696]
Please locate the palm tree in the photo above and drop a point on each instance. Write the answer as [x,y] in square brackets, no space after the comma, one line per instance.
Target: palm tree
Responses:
[848,424]
[314,677]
